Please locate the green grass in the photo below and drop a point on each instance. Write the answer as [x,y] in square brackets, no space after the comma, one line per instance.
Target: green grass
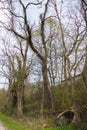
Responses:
[69,127]
[11,124]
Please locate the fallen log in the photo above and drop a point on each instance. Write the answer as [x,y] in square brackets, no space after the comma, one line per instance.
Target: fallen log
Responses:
[64,118]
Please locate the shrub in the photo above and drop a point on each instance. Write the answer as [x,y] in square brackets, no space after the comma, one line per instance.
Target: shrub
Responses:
[81,126]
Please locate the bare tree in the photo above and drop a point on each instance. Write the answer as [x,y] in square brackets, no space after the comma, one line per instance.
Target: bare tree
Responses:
[25,33]
[71,39]
[84,14]
[84,11]
[16,69]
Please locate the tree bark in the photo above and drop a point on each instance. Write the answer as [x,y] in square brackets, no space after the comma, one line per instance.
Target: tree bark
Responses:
[47,91]
[75,105]
[20,100]
[84,73]
[77,117]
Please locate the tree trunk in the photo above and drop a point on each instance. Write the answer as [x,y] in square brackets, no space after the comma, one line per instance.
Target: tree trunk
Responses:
[47,91]
[77,117]
[20,100]
[84,73]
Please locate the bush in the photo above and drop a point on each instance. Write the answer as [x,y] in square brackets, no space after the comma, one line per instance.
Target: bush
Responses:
[81,126]
[81,99]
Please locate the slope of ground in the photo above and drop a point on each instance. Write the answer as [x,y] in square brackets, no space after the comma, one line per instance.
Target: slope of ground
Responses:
[11,124]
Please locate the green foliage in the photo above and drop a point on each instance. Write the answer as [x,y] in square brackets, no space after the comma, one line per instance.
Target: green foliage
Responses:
[32,100]
[81,99]
[81,126]
[61,102]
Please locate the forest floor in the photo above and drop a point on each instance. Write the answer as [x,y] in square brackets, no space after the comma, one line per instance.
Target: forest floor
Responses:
[7,123]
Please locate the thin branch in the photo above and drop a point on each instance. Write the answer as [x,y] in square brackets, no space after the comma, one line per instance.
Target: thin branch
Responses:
[33,4]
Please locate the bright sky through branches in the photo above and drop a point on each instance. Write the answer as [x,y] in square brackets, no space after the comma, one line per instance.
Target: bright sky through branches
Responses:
[33,13]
